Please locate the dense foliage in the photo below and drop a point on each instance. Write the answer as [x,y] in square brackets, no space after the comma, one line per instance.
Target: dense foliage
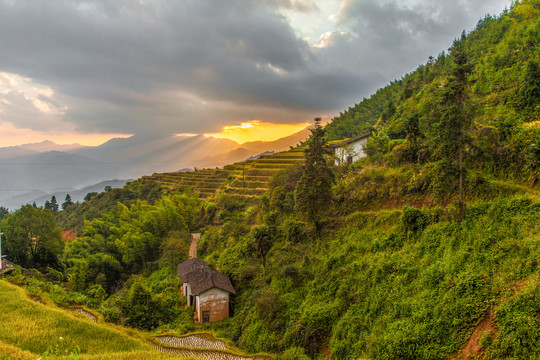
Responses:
[391,284]
[94,204]
[32,238]
[313,190]
[504,135]
[383,263]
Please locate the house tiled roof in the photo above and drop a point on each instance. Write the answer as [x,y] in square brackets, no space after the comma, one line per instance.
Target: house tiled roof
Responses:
[189,266]
[204,279]
[350,140]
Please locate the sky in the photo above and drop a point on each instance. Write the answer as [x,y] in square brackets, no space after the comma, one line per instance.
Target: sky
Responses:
[86,71]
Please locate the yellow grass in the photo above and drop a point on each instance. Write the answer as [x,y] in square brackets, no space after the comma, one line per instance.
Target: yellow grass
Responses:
[9,352]
[138,355]
[29,329]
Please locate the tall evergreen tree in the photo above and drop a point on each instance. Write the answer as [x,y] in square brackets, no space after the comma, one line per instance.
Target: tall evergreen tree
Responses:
[529,92]
[455,118]
[54,204]
[67,202]
[4,212]
[313,191]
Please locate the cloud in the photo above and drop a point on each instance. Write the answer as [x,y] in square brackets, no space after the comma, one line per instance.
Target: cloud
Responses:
[161,67]
[29,104]
[297,5]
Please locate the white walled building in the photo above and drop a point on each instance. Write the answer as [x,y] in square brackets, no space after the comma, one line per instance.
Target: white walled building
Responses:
[350,150]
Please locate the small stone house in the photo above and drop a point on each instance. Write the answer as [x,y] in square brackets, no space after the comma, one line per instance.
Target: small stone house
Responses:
[350,150]
[207,290]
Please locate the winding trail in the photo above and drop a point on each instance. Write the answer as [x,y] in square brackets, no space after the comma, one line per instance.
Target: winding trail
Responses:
[194,243]
[486,327]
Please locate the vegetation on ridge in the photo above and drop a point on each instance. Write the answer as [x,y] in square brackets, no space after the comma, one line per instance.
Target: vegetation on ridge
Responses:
[386,262]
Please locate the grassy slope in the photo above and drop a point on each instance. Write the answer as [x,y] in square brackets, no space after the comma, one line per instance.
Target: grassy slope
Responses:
[373,288]
[30,328]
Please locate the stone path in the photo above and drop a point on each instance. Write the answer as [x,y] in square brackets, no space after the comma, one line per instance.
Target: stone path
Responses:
[194,244]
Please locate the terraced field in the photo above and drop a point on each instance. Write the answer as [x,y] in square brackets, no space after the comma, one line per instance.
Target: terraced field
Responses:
[30,327]
[249,178]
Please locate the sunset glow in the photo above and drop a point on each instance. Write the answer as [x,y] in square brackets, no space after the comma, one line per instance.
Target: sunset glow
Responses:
[258,131]
[12,136]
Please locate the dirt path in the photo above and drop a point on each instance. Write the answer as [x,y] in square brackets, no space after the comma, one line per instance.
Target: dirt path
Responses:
[194,244]
[488,325]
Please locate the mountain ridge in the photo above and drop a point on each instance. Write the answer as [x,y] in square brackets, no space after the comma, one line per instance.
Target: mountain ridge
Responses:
[118,158]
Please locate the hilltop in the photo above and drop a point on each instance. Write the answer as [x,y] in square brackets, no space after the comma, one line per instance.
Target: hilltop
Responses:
[34,171]
[383,258]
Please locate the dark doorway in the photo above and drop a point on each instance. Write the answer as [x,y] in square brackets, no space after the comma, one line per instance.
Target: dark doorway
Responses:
[205,316]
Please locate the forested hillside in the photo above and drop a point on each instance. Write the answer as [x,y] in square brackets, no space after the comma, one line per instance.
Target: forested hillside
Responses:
[502,107]
[427,248]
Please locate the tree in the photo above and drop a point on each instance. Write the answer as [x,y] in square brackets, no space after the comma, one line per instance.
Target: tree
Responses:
[54,204]
[262,241]
[67,202]
[313,191]
[455,118]
[412,131]
[4,212]
[174,248]
[529,92]
[32,238]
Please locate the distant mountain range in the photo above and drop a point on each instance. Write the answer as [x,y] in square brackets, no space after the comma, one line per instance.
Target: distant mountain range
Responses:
[36,148]
[33,172]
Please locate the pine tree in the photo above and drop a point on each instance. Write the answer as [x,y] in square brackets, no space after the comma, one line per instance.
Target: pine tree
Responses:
[529,92]
[455,118]
[54,204]
[4,212]
[67,202]
[313,191]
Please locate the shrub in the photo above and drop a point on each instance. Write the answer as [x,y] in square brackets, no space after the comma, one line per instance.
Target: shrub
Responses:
[293,353]
[414,219]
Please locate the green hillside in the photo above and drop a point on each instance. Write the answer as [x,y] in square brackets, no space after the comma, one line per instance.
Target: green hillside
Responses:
[30,328]
[427,248]
[503,100]
[248,178]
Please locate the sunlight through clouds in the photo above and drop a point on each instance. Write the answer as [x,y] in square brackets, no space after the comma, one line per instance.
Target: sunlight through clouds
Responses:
[12,136]
[158,68]
[256,130]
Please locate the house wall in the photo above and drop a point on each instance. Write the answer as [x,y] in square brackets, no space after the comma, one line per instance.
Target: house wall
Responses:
[214,300]
[356,148]
[186,291]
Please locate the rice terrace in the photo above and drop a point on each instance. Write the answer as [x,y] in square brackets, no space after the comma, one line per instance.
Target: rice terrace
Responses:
[278,180]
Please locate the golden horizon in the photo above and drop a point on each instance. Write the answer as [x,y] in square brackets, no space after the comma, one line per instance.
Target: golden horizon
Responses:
[256,130]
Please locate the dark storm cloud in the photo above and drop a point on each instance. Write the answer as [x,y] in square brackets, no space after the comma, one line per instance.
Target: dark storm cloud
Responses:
[391,38]
[196,65]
